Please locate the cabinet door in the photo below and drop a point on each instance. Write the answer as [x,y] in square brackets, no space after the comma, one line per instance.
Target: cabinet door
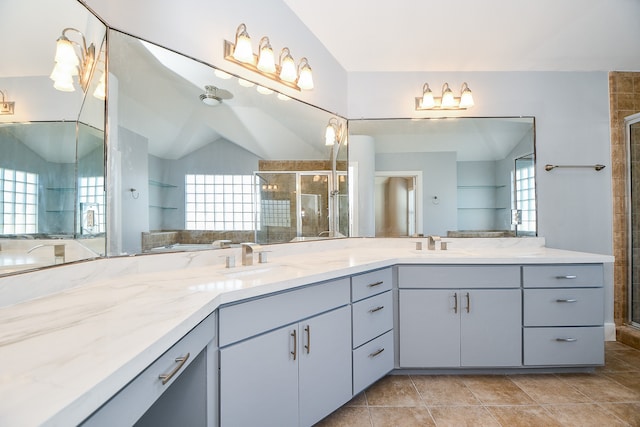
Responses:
[490,331]
[429,328]
[259,381]
[325,364]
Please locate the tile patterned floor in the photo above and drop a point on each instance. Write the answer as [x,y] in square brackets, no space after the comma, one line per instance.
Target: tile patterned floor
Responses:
[608,397]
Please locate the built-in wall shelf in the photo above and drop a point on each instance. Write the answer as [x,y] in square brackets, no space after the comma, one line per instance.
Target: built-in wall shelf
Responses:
[61,188]
[480,186]
[162,207]
[161,184]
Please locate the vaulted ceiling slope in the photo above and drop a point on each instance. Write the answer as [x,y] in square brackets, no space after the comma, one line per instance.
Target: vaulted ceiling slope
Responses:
[471,35]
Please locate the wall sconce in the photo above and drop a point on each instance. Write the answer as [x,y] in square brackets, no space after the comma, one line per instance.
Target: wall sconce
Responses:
[285,72]
[269,187]
[334,132]
[69,64]
[447,101]
[6,107]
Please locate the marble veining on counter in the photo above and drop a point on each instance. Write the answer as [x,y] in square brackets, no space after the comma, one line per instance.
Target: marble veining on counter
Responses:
[91,327]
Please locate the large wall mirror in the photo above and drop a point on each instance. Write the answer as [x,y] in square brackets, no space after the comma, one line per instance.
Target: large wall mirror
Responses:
[199,157]
[53,142]
[457,177]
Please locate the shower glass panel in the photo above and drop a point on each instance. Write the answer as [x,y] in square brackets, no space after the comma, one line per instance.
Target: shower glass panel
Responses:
[314,205]
[633,138]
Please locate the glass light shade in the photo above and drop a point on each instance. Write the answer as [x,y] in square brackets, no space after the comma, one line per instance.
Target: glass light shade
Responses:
[466,98]
[330,135]
[427,100]
[305,81]
[65,53]
[61,72]
[210,101]
[283,97]
[288,71]
[245,83]
[264,90]
[101,91]
[64,84]
[448,100]
[243,51]
[266,59]
[222,74]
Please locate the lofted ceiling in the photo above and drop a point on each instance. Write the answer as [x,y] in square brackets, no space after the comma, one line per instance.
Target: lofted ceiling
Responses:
[469,35]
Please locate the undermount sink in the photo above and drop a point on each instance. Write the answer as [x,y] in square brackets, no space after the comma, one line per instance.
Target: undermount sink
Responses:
[240,272]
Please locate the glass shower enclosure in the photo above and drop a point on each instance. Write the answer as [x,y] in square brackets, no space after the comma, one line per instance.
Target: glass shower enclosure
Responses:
[632,126]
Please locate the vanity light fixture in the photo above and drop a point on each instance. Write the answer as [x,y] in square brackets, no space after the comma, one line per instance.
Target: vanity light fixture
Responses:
[333,133]
[447,101]
[214,96]
[6,107]
[69,63]
[285,71]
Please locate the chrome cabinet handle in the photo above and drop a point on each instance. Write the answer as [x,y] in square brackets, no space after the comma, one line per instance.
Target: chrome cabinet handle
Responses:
[371,285]
[377,352]
[468,302]
[568,276]
[566,339]
[568,300]
[378,308]
[307,329]
[180,361]
[455,299]
[294,353]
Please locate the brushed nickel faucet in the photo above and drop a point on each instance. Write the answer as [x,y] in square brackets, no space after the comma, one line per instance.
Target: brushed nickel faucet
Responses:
[247,252]
[58,251]
[431,245]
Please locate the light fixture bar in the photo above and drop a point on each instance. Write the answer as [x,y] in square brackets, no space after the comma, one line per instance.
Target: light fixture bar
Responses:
[6,107]
[438,104]
[228,55]
[445,102]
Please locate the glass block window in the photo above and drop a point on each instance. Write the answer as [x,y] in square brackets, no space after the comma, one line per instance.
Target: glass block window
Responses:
[526,197]
[18,202]
[276,213]
[222,202]
[91,196]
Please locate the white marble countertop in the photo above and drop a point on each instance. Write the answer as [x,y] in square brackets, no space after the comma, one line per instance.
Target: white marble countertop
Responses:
[94,326]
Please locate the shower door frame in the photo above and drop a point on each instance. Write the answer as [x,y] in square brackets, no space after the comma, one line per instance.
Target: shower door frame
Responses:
[628,121]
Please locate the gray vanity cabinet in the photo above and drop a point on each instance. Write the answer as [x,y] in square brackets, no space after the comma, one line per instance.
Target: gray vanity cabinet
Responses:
[372,324]
[295,374]
[563,314]
[177,389]
[460,316]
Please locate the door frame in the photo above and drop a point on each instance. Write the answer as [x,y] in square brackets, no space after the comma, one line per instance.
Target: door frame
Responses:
[417,175]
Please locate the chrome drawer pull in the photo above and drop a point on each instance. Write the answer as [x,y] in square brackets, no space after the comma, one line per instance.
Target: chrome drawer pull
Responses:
[371,285]
[567,300]
[568,276]
[180,361]
[373,310]
[377,352]
[566,339]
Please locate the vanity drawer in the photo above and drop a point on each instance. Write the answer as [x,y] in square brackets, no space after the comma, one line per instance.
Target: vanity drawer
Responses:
[562,275]
[372,283]
[130,403]
[564,346]
[372,317]
[246,319]
[564,307]
[372,361]
[459,276]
